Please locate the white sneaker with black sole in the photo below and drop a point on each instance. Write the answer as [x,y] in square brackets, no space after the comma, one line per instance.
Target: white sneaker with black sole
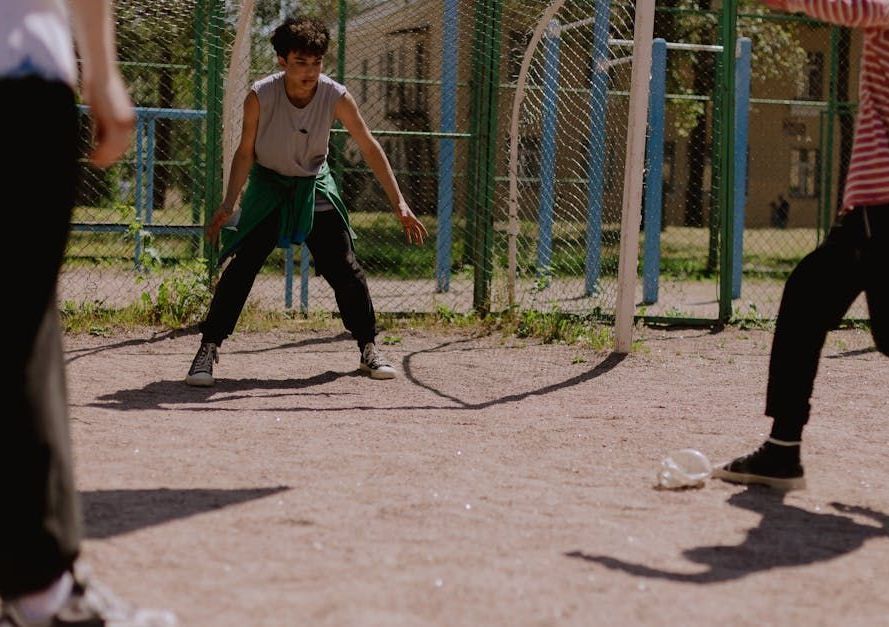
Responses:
[201,372]
[373,363]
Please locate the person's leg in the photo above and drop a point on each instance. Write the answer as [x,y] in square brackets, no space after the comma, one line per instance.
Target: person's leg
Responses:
[817,294]
[40,523]
[331,248]
[237,280]
[334,257]
[230,296]
[875,263]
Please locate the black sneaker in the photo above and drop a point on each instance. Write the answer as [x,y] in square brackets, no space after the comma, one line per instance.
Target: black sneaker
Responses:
[771,465]
[373,363]
[201,371]
[92,605]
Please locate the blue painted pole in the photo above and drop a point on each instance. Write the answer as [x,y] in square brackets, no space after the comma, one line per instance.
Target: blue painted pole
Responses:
[288,277]
[304,279]
[596,146]
[140,171]
[149,172]
[654,180]
[742,125]
[446,148]
[551,51]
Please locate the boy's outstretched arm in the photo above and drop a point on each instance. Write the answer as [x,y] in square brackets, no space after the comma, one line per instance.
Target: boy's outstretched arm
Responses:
[854,13]
[347,112]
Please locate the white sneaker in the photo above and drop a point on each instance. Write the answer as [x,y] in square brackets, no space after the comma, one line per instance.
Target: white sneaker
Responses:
[92,605]
[201,372]
[373,363]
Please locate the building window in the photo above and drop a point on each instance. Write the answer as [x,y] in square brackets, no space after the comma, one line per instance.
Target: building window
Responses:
[804,166]
[365,70]
[812,84]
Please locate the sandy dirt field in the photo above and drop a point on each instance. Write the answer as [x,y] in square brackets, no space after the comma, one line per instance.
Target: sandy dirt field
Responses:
[495,482]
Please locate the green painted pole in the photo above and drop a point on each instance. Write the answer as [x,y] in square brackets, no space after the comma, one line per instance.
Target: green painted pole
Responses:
[488,157]
[475,82]
[728,39]
[339,139]
[827,203]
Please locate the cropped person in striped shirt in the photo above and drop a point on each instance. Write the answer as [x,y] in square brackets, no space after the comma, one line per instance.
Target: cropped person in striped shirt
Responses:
[853,258]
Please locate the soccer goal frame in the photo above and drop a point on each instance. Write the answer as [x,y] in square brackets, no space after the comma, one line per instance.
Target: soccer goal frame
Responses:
[634,166]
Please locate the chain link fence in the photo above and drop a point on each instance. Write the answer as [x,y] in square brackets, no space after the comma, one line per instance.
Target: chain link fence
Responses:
[506,127]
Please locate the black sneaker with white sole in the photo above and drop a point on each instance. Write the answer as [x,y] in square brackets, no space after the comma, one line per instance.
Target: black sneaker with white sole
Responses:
[373,363]
[201,372]
[773,465]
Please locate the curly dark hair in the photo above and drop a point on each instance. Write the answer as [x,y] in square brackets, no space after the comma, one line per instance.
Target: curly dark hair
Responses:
[301,34]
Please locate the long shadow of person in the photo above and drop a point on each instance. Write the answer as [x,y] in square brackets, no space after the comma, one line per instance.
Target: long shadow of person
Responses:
[787,536]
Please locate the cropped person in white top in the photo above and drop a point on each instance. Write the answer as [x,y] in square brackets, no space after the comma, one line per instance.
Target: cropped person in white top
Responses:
[41,583]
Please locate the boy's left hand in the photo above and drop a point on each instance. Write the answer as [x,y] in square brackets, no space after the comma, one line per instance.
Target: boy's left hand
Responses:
[414,230]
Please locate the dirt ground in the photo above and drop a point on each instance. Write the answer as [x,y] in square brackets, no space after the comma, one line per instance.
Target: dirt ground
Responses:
[495,482]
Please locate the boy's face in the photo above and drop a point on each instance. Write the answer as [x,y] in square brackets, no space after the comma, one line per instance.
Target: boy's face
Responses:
[302,68]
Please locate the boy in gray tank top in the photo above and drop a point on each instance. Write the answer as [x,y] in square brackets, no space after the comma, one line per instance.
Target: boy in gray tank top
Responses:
[291,196]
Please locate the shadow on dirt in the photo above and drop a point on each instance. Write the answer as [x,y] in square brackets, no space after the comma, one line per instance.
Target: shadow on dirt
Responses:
[607,364]
[109,513]
[73,355]
[160,394]
[786,537]
[79,353]
[163,394]
[853,353]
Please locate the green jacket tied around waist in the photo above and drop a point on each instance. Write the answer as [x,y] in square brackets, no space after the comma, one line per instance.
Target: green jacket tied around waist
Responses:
[294,196]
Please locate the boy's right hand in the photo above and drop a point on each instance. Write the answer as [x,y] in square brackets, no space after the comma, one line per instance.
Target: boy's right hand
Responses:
[222,215]
[113,118]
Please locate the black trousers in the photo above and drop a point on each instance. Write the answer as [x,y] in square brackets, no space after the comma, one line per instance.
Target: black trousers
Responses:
[853,258]
[331,249]
[39,517]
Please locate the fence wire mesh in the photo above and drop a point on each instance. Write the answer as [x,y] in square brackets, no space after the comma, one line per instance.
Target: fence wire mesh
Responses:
[436,82]
[564,120]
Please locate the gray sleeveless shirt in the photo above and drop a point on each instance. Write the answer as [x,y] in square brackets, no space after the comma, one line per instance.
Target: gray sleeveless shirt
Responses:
[290,140]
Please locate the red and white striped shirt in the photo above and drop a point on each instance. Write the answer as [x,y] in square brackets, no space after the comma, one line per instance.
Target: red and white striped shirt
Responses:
[867,182]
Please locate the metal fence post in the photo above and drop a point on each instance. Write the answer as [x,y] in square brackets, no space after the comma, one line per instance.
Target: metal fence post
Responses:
[596,146]
[339,139]
[827,203]
[742,118]
[198,191]
[726,117]
[446,147]
[654,181]
[213,147]
[304,279]
[550,101]
[288,277]
[486,162]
